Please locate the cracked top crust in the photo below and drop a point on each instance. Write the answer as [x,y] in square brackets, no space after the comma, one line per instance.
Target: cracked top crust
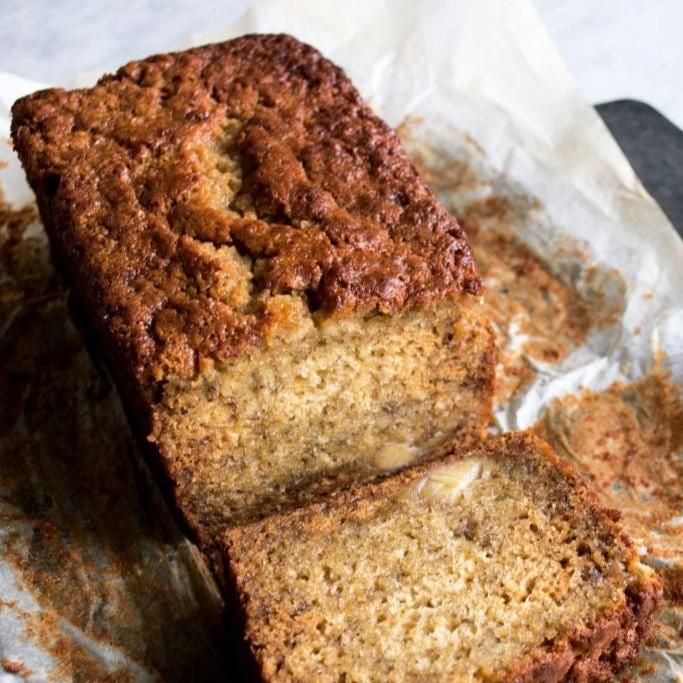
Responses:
[204,200]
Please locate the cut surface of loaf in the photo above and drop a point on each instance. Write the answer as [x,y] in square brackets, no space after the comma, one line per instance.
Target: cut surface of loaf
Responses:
[282,300]
[497,564]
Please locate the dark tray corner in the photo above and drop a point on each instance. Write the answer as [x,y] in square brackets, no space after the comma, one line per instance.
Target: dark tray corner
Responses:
[654,147]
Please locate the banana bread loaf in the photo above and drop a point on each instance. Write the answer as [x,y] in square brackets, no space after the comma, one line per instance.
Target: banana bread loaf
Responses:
[495,565]
[284,304]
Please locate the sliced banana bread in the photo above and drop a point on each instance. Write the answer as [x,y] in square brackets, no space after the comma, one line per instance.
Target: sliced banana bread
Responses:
[282,300]
[496,565]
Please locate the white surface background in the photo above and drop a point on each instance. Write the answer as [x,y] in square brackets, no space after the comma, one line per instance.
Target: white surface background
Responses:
[615,48]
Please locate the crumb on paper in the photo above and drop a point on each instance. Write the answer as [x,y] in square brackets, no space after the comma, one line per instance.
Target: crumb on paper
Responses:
[14,666]
[15,221]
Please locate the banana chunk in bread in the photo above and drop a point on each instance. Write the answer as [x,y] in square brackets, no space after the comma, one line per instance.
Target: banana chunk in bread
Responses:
[495,565]
[284,304]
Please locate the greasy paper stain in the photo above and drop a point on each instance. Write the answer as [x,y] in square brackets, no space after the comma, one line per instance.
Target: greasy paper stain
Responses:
[13,666]
[85,528]
[540,311]
[522,299]
[628,441]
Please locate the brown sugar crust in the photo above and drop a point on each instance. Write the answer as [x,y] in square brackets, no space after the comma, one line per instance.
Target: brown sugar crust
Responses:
[327,207]
[592,653]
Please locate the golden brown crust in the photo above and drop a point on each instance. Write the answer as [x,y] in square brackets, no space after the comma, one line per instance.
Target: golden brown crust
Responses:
[339,215]
[582,655]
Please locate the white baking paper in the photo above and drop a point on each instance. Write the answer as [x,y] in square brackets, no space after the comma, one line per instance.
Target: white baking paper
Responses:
[481,83]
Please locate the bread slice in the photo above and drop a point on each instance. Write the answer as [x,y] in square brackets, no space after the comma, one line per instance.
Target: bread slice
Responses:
[496,565]
[282,300]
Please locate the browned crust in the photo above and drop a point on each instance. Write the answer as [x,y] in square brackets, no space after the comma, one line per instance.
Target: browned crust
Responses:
[590,654]
[597,653]
[341,216]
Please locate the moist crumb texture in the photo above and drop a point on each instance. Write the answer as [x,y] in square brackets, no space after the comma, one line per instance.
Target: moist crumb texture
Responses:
[352,401]
[495,565]
[284,304]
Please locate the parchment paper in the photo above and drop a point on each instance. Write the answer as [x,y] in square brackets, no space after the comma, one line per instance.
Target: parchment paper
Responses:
[96,581]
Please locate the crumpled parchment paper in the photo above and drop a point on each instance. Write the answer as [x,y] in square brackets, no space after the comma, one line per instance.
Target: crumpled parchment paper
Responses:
[584,275]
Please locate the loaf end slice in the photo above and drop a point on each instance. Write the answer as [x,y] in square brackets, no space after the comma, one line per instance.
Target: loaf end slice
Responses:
[496,565]
[285,305]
